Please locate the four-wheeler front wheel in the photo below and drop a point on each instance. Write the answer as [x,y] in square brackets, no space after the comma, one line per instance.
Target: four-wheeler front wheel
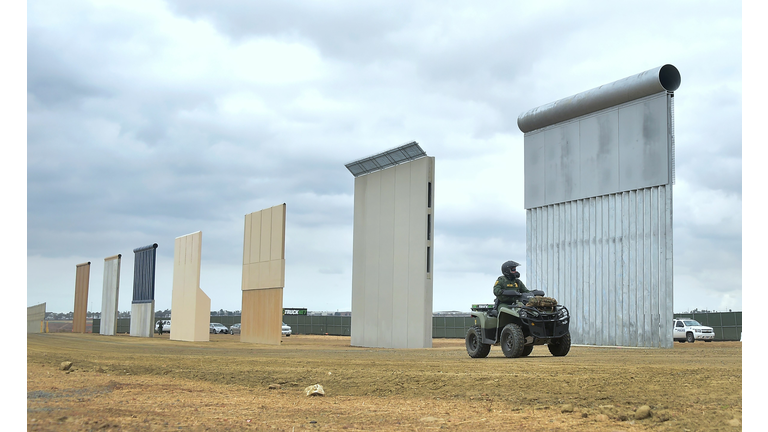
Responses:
[475,347]
[512,341]
[560,347]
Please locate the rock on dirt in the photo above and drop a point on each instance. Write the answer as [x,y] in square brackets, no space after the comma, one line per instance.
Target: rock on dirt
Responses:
[65,366]
[567,408]
[315,390]
[643,412]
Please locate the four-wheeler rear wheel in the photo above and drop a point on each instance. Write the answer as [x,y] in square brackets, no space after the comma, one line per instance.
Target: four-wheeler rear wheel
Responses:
[512,341]
[560,347]
[475,347]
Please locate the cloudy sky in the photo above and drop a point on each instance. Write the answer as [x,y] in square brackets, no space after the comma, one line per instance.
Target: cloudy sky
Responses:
[149,120]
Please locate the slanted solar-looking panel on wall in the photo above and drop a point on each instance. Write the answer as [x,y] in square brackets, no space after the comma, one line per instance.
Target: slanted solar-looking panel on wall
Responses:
[144,273]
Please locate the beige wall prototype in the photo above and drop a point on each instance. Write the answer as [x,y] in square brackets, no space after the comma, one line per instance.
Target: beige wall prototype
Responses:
[35,318]
[82,277]
[263,276]
[190,306]
[392,256]
[109,295]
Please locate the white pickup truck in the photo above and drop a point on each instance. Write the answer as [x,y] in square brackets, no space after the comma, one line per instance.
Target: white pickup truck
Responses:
[690,330]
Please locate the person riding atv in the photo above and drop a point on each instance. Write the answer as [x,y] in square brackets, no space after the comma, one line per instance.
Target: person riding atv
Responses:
[519,320]
[508,286]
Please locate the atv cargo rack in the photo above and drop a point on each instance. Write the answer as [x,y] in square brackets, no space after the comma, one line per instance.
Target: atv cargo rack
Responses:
[544,324]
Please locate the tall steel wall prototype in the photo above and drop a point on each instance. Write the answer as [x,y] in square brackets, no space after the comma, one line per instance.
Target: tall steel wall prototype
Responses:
[263,276]
[190,306]
[82,278]
[110,294]
[143,303]
[392,256]
[599,169]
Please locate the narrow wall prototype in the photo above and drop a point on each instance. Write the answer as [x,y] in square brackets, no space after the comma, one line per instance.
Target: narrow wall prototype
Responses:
[36,318]
[143,303]
[82,278]
[110,294]
[263,276]
[190,306]
[393,249]
[599,170]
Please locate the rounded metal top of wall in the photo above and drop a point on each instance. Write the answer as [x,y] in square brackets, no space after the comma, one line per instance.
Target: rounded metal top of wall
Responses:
[662,78]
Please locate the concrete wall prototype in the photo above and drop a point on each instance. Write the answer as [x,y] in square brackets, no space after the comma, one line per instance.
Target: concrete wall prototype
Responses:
[190,306]
[263,276]
[599,170]
[143,303]
[109,295]
[82,277]
[36,318]
[392,256]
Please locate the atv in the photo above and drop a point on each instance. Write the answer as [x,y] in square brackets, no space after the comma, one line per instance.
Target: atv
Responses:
[532,320]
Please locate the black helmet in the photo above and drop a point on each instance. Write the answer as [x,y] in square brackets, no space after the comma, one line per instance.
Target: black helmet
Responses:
[508,269]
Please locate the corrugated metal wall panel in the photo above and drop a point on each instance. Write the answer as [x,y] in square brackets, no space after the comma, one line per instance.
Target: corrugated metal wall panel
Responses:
[609,260]
[144,274]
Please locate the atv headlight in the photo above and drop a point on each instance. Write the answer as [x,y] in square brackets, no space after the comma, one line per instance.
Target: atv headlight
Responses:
[523,313]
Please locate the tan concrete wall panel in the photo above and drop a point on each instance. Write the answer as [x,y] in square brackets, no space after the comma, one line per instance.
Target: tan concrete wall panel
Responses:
[35,318]
[277,231]
[190,306]
[264,249]
[262,316]
[82,277]
[263,275]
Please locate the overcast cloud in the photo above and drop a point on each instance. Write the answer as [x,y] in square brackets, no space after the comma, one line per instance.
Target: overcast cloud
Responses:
[149,120]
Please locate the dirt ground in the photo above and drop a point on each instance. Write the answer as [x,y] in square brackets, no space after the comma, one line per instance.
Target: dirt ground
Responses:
[155,384]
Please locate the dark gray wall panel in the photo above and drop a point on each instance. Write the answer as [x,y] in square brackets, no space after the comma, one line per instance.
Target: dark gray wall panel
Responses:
[144,274]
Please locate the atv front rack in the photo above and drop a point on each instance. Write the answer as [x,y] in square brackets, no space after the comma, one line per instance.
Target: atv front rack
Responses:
[545,324]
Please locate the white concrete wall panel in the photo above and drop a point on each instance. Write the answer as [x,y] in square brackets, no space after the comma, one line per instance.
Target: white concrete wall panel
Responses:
[36,318]
[190,306]
[608,259]
[109,295]
[82,278]
[142,319]
[357,338]
[392,290]
[263,270]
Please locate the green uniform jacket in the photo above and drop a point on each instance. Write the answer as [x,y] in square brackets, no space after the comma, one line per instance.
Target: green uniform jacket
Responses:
[503,283]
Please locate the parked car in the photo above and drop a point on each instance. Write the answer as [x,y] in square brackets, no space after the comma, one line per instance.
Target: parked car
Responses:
[234,329]
[690,330]
[219,328]
[286,330]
